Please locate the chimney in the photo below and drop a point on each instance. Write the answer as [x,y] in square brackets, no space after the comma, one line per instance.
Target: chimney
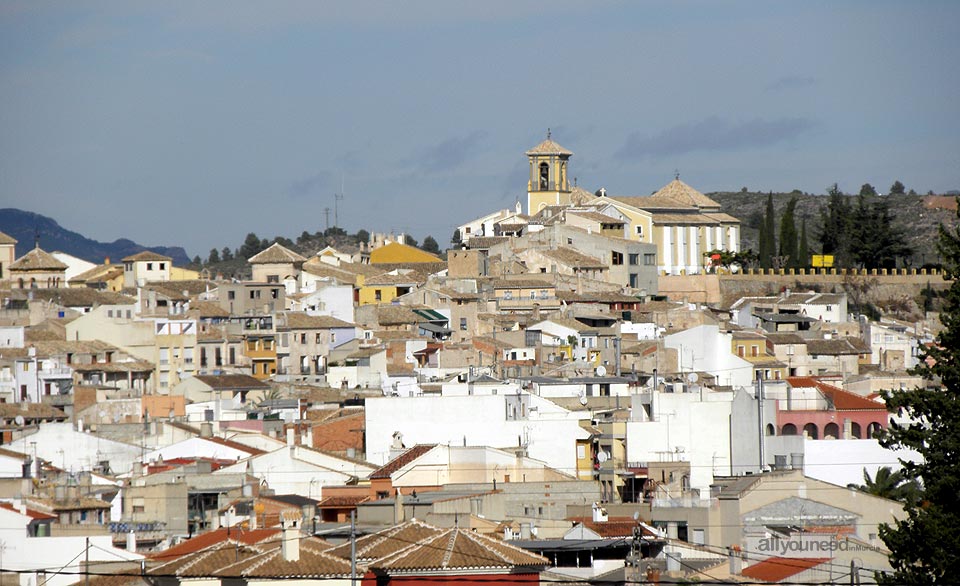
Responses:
[736,562]
[132,541]
[290,436]
[206,429]
[398,514]
[290,546]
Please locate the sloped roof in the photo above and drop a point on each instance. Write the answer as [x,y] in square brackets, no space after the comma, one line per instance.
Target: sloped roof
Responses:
[597,217]
[778,569]
[313,562]
[205,540]
[680,192]
[842,399]
[573,258]
[203,563]
[296,320]
[146,255]
[37,260]
[387,542]
[276,253]
[82,297]
[231,382]
[458,548]
[548,147]
[837,346]
[7,239]
[402,460]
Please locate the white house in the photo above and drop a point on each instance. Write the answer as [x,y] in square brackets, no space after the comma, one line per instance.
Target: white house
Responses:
[546,431]
[62,445]
[705,348]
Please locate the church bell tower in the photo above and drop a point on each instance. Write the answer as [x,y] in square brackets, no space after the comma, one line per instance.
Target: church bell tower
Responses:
[548,185]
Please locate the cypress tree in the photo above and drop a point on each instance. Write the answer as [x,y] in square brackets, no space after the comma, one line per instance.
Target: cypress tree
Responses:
[803,253]
[788,234]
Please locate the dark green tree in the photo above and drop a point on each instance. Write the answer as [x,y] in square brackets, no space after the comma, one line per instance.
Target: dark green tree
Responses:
[897,188]
[303,237]
[876,241]
[251,246]
[430,245]
[226,254]
[835,220]
[868,190]
[803,252]
[925,545]
[788,234]
[768,242]
[214,257]
[363,235]
[456,240]
[409,240]
[197,261]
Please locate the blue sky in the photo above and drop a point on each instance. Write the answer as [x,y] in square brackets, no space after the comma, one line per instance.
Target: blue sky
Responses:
[194,123]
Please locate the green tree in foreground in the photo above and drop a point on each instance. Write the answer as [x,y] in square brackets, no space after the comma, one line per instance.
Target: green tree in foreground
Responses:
[925,546]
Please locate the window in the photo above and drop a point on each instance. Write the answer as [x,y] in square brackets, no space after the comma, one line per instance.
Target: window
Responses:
[463,324]
[109,313]
[544,176]
[508,295]
[634,259]
[616,258]
[634,280]
[217,358]
[231,295]
[163,266]
[303,338]
[639,230]
[378,295]
[275,293]
[650,259]
[333,337]
[570,241]
[741,351]
[273,278]
[188,355]
[466,230]
[149,266]
[317,339]
[233,355]
[754,351]
[533,295]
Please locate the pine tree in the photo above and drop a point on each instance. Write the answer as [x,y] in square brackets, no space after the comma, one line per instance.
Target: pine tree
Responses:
[214,257]
[788,234]
[771,220]
[867,189]
[925,546]
[430,245]
[897,188]
[226,254]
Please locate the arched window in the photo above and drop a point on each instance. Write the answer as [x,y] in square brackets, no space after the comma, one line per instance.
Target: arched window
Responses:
[788,429]
[810,431]
[831,431]
[544,176]
[20,281]
[33,282]
[855,431]
[771,430]
[873,428]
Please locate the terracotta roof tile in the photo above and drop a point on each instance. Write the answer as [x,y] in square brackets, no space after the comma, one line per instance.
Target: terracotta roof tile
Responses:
[297,320]
[457,548]
[548,147]
[314,562]
[276,253]
[37,260]
[387,542]
[205,540]
[778,569]
[146,255]
[402,460]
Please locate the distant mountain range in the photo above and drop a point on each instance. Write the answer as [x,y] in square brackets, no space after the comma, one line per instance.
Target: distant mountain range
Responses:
[26,226]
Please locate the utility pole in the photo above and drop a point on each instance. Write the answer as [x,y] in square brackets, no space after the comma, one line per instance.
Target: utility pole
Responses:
[353,548]
[326,214]
[86,561]
[760,416]
[337,197]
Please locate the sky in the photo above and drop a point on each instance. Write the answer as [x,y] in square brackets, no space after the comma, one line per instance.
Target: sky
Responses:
[195,123]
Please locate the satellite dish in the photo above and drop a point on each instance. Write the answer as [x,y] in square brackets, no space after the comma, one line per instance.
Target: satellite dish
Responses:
[583,399]
[636,515]
[602,457]
[601,371]
[19,420]
[693,377]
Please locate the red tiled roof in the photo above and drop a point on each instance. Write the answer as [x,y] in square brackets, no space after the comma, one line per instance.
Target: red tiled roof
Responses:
[777,569]
[458,548]
[313,562]
[387,470]
[843,400]
[613,527]
[388,542]
[342,501]
[206,540]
